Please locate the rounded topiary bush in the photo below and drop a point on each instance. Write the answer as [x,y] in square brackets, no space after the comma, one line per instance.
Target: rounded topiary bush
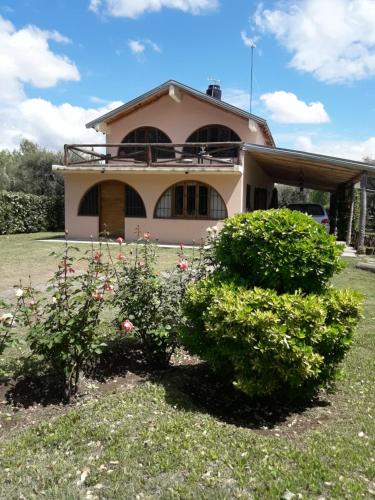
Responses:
[265,342]
[279,249]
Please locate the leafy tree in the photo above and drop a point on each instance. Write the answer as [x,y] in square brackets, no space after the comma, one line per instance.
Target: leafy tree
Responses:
[291,194]
[29,170]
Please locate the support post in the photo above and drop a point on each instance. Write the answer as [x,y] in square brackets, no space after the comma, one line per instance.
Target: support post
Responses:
[351,215]
[149,155]
[363,214]
[333,213]
[66,158]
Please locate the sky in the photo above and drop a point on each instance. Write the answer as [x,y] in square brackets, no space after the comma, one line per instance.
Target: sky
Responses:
[66,62]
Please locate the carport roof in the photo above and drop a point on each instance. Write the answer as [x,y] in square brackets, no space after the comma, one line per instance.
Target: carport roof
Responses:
[313,171]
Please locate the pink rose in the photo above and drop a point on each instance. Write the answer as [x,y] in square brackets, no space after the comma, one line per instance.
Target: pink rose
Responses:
[183,265]
[71,270]
[141,263]
[120,240]
[98,295]
[98,256]
[120,256]
[127,326]
[146,236]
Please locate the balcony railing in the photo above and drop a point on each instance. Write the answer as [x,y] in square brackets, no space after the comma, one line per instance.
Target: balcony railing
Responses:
[199,154]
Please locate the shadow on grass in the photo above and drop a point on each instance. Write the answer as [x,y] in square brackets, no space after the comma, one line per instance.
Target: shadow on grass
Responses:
[191,387]
[197,388]
[34,384]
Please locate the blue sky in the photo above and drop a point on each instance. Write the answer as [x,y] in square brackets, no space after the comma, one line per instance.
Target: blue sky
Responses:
[66,62]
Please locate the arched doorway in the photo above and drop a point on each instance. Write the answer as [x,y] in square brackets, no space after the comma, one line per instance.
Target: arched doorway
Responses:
[112,201]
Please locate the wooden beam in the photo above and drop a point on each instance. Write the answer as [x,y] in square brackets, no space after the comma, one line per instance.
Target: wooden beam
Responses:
[351,215]
[175,93]
[363,214]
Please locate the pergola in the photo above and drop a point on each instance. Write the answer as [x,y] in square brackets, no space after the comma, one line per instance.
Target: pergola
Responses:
[320,172]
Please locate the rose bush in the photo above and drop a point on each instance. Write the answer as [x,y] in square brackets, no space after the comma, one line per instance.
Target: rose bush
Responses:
[62,324]
[150,300]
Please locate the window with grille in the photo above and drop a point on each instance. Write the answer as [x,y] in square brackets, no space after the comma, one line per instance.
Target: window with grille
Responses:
[191,200]
[144,135]
[214,133]
[90,203]
[134,206]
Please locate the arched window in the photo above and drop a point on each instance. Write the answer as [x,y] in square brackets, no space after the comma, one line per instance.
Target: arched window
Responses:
[190,200]
[214,133]
[144,135]
[92,201]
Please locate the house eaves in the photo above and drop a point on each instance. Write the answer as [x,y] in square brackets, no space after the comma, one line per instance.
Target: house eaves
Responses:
[164,88]
[314,171]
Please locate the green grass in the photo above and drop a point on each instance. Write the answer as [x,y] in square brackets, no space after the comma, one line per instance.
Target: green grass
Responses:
[22,255]
[156,441]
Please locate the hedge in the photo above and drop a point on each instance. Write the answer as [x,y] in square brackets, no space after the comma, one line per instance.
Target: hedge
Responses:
[28,213]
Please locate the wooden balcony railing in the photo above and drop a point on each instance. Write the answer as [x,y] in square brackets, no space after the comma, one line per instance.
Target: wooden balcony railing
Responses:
[154,154]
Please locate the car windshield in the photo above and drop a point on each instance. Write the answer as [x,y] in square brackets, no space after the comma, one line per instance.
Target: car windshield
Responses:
[307,208]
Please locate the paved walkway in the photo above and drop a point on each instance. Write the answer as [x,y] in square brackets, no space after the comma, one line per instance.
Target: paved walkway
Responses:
[96,242]
[348,251]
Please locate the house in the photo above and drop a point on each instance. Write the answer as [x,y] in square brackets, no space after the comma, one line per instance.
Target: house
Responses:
[177,160]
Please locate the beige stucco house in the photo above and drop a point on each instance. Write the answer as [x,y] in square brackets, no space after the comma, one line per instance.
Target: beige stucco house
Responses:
[177,161]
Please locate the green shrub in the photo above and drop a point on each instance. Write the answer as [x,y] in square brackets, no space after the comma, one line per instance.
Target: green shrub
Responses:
[28,213]
[279,249]
[265,342]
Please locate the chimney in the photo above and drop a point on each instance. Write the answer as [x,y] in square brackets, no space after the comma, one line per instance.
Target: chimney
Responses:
[214,91]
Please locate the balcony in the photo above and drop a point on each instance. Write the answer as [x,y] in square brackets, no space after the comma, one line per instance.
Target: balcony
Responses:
[158,156]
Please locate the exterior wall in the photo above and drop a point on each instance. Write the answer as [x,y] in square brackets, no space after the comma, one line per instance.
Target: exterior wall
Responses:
[179,120]
[257,178]
[150,186]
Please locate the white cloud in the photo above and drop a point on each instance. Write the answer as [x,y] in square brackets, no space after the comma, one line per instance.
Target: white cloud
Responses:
[49,125]
[285,107]
[98,100]
[26,57]
[237,97]
[153,45]
[137,47]
[249,42]
[354,150]
[332,39]
[95,5]
[135,8]
[58,37]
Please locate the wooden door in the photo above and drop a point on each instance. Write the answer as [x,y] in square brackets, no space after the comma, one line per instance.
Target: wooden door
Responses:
[112,208]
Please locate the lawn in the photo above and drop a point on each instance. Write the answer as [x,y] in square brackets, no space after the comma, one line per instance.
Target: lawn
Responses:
[178,434]
[23,255]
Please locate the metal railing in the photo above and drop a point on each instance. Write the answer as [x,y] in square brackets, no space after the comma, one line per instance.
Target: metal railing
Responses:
[154,154]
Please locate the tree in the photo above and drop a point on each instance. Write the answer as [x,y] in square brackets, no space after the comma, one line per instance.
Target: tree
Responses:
[29,170]
[291,194]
